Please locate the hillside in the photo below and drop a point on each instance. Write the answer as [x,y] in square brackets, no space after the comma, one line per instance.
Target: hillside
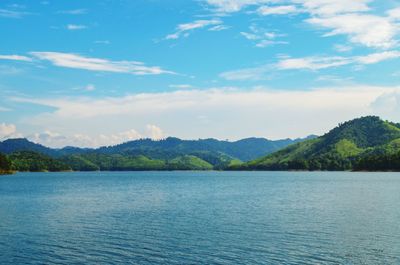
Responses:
[144,154]
[366,143]
[244,150]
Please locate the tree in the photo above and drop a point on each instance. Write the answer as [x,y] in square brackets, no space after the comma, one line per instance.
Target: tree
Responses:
[5,164]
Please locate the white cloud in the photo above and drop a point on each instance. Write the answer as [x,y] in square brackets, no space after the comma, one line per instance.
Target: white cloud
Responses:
[368,30]
[8,131]
[75,27]
[14,57]
[387,105]
[314,7]
[184,29]
[377,57]
[154,132]
[76,61]
[261,37]
[394,13]
[353,19]
[277,10]
[333,7]
[231,113]
[229,6]
[57,140]
[342,48]
[313,63]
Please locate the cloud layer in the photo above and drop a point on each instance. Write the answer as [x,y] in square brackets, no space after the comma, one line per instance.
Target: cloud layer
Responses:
[227,113]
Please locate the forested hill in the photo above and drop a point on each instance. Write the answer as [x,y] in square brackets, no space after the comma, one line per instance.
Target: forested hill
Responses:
[244,150]
[366,143]
[145,154]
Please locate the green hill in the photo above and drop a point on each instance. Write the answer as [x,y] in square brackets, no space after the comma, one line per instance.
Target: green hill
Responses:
[35,162]
[366,143]
[144,154]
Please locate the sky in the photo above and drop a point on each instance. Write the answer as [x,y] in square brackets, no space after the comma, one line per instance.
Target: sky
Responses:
[92,73]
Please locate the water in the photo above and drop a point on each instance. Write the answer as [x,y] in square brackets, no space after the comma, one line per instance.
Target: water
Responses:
[200,218]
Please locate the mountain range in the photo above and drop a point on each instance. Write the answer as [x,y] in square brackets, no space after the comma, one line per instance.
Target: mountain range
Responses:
[144,154]
[363,144]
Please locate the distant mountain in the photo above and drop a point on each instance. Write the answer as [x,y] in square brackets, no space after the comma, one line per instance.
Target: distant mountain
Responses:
[244,150]
[21,144]
[144,154]
[366,143]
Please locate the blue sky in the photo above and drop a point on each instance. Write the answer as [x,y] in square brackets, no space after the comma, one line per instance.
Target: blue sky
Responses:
[93,73]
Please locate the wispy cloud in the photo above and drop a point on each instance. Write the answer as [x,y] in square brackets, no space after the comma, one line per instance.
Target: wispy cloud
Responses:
[353,19]
[261,37]
[181,86]
[6,13]
[185,29]
[73,12]
[3,109]
[312,63]
[14,57]
[342,48]
[332,7]
[71,60]
[219,28]
[105,42]
[252,73]
[230,6]
[76,27]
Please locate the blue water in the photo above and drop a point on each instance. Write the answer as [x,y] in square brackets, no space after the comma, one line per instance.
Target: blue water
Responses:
[200,218]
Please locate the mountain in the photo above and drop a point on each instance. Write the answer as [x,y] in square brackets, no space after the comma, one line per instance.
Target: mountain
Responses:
[366,143]
[144,154]
[244,150]
[34,162]
[21,144]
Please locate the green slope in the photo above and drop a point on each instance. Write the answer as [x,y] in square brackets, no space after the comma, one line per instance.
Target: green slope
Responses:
[35,162]
[350,146]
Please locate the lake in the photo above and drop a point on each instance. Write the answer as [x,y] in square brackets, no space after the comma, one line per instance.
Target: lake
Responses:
[200,218]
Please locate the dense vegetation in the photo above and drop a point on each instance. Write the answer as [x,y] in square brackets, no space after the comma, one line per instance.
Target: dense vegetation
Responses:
[367,143]
[35,162]
[144,154]
[5,165]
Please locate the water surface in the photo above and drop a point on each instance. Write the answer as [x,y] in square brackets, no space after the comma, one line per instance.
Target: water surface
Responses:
[200,218]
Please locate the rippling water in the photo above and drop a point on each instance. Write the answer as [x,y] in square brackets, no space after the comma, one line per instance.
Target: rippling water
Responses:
[200,218]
